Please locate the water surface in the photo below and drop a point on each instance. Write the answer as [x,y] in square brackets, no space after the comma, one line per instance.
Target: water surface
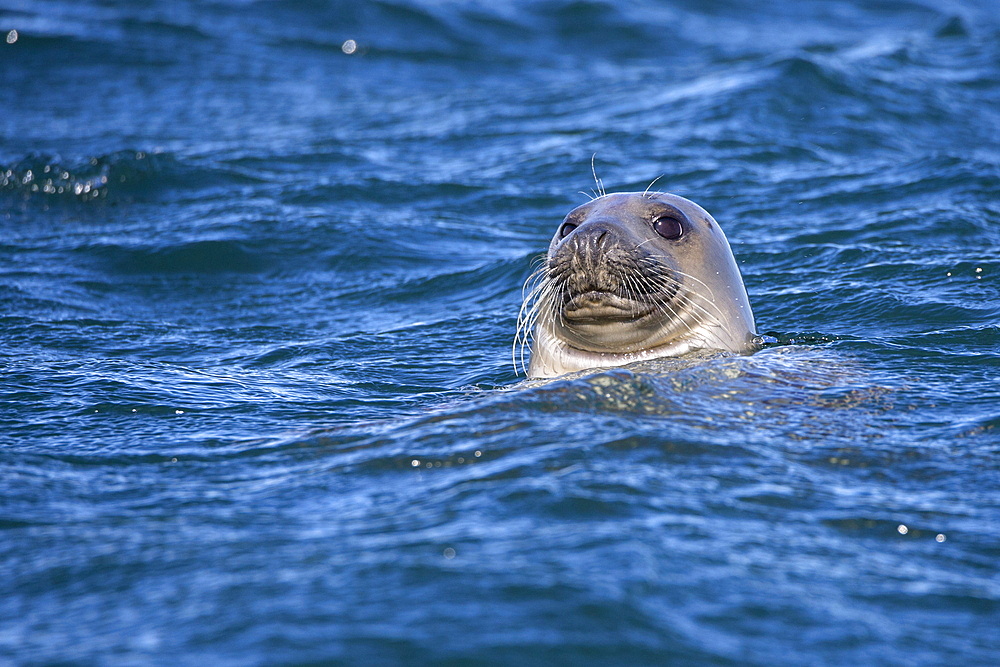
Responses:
[258,296]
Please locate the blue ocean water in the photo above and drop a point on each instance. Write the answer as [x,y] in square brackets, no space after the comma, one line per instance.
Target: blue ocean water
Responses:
[260,268]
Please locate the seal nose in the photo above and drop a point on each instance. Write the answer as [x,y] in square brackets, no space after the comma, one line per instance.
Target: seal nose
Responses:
[587,247]
[591,241]
[594,234]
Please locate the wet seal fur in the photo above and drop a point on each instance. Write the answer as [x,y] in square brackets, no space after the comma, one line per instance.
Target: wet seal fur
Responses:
[629,277]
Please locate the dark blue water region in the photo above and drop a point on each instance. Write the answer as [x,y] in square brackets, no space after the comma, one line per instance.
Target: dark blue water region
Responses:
[260,270]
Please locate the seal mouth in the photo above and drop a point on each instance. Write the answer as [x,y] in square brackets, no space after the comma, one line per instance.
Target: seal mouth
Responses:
[601,306]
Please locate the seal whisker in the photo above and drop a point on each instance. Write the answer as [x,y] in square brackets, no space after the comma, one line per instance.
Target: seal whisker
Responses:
[631,292]
[593,170]
[721,319]
[704,285]
[665,303]
[712,319]
[533,297]
[712,316]
[545,299]
[639,290]
[645,192]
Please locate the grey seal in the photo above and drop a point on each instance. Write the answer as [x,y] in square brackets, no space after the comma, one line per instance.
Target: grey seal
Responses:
[629,277]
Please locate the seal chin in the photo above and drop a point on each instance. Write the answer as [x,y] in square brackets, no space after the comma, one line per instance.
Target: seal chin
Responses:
[595,307]
[603,322]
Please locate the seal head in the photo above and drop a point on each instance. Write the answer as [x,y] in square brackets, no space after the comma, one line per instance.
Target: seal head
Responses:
[634,276]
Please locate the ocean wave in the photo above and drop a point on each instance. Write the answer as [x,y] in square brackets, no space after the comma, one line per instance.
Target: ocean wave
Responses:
[194,257]
[125,175]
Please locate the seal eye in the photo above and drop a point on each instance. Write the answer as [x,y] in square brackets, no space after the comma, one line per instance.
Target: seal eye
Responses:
[566,229]
[667,227]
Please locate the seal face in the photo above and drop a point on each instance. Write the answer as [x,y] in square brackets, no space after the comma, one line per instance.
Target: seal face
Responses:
[633,276]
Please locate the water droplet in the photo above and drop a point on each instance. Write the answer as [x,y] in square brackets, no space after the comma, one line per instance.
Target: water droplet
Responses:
[349,46]
[903,530]
[449,553]
[12,36]
[415,463]
[940,537]
[478,453]
[178,412]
